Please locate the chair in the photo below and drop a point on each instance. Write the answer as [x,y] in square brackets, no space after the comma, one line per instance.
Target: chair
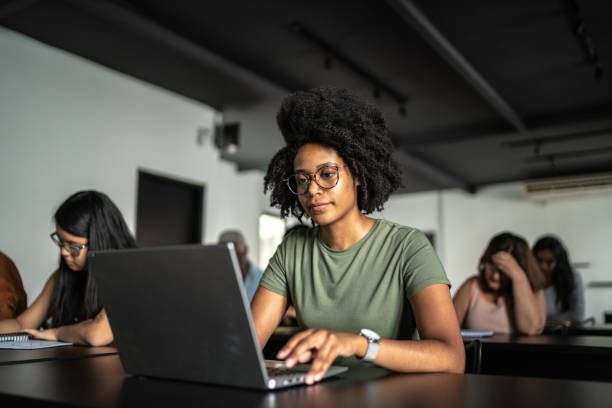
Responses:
[473,356]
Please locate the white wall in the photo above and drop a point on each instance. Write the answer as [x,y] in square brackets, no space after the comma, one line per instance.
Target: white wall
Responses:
[464,223]
[68,124]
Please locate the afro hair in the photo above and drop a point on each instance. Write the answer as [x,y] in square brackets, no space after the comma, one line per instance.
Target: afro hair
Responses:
[338,119]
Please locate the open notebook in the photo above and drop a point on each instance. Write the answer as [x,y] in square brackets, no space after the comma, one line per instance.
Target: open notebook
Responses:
[23,341]
[476,333]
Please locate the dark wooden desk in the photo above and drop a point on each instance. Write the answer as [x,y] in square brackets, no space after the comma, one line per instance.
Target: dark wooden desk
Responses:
[596,330]
[102,382]
[53,353]
[569,357]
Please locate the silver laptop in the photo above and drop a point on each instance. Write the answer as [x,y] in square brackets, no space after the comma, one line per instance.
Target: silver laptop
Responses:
[182,313]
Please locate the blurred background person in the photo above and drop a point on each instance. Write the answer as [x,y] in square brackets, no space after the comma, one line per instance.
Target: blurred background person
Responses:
[13,298]
[506,296]
[250,273]
[563,287]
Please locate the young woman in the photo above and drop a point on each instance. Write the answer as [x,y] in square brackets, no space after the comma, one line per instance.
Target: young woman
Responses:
[563,291]
[506,296]
[87,220]
[363,288]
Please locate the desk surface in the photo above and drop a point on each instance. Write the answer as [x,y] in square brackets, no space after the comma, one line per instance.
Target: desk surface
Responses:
[596,330]
[568,357]
[8,356]
[574,344]
[101,381]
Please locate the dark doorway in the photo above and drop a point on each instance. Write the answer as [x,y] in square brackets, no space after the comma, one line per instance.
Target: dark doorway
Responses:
[169,211]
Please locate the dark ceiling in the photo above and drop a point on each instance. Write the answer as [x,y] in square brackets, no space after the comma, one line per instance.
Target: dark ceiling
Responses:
[475,92]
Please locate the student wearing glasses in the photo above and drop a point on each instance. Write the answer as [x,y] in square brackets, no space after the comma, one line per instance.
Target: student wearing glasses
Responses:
[87,220]
[506,296]
[364,289]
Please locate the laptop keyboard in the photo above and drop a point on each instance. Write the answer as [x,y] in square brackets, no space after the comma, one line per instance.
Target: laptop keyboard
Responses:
[278,371]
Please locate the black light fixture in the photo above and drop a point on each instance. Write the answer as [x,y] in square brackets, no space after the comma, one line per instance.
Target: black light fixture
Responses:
[227,137]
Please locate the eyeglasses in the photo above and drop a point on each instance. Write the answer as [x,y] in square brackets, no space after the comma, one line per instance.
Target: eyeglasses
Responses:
[72,249]
[326,177]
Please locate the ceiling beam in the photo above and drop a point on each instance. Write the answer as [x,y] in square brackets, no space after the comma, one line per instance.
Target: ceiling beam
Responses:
[11,7]
[442,178]
[417,20]
[573,154]
[543,134]
[149,29]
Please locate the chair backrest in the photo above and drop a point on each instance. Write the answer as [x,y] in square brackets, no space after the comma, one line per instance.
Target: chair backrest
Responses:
[473,356]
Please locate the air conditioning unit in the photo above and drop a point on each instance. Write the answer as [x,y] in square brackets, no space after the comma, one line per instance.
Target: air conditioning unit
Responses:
[565,187]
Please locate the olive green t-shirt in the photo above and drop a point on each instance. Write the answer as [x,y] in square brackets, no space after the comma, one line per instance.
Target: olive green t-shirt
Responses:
[368,285]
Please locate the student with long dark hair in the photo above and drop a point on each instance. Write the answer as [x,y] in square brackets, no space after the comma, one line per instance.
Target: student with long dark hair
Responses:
[366,290]
[563,290]
[506,295]
[86,221]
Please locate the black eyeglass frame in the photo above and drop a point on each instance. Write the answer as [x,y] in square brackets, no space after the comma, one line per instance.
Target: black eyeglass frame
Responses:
[74,250]
[313,176]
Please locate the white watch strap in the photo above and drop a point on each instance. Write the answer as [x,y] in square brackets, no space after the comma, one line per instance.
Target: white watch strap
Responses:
[373,339]
[372,350]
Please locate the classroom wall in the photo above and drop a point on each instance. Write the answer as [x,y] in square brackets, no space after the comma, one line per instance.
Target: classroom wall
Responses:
[464,223]
[68,124]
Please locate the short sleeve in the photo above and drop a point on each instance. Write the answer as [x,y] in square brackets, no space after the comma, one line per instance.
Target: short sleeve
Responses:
[422,267]
[274,277]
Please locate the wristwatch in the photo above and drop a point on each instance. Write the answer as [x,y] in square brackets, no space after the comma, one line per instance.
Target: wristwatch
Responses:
[373,344]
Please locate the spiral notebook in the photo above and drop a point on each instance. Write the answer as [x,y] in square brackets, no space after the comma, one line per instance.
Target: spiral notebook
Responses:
[24,341]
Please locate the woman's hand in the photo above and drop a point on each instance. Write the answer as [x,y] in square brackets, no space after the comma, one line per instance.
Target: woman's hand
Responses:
[322,346]
[506,263]
[50,334]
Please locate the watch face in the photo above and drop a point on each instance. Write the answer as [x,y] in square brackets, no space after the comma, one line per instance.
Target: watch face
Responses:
[370,334]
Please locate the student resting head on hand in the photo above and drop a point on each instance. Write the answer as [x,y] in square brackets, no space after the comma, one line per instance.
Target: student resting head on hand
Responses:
[363,289]
[506,296]
[86,221]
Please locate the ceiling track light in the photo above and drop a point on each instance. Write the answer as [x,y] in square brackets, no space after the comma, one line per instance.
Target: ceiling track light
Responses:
[227,137]
[331,54]
[584,39]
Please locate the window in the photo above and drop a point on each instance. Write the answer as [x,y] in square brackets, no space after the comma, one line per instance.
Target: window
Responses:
[271,231]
